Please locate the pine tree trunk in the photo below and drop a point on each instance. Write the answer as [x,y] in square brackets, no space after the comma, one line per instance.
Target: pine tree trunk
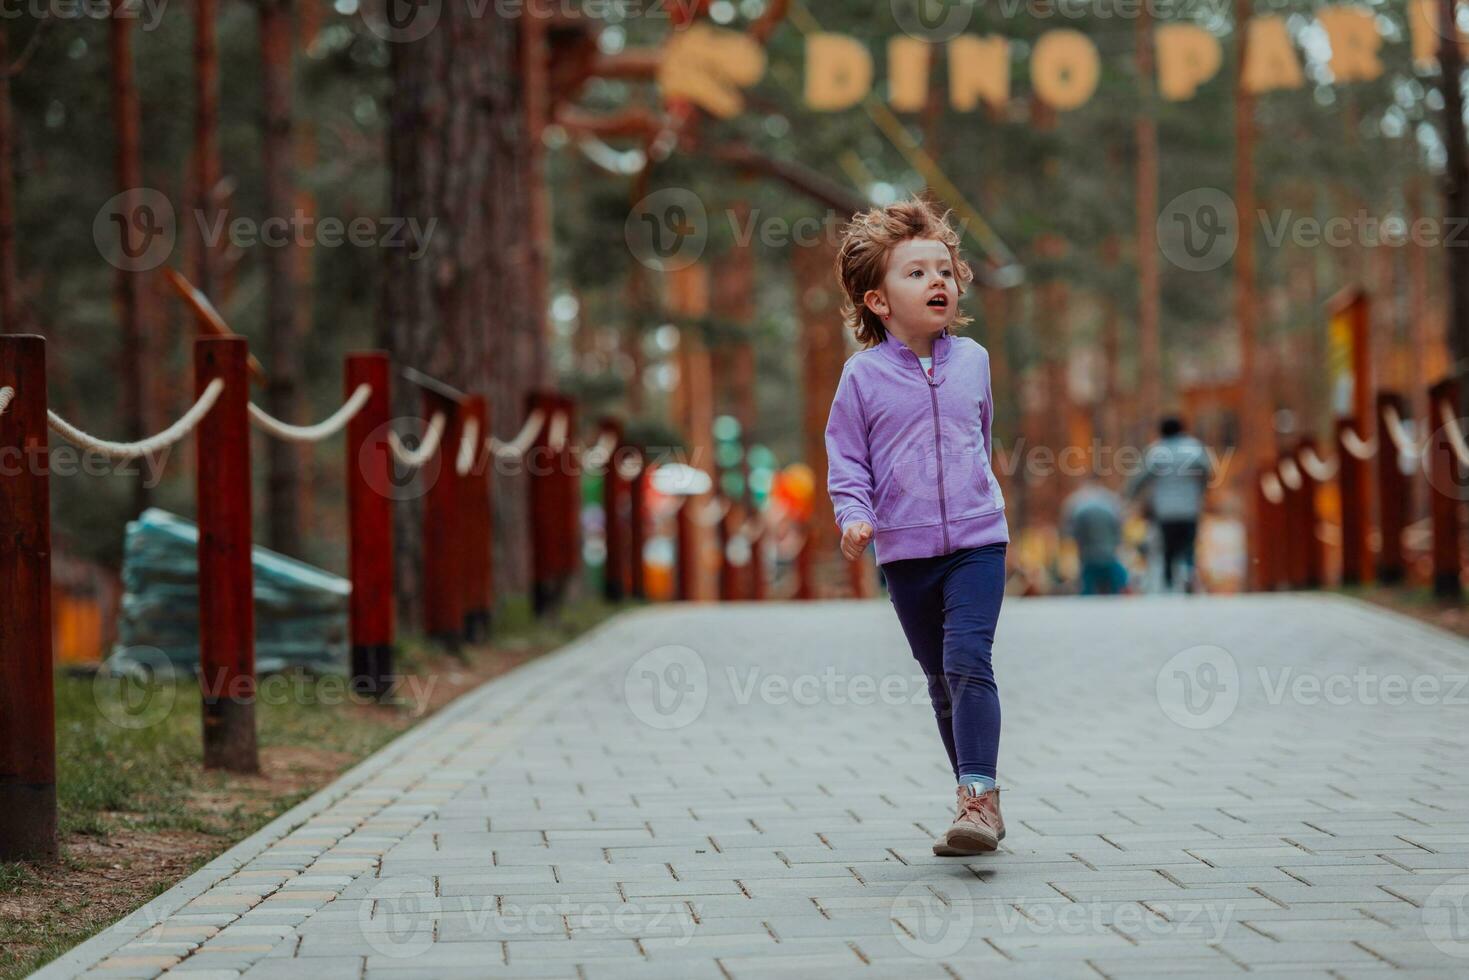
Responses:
[206,145]
[128,167]
[468,309]
[9,301]
[283,473]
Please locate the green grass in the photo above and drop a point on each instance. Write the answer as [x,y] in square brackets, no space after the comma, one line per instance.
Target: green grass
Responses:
[128,760]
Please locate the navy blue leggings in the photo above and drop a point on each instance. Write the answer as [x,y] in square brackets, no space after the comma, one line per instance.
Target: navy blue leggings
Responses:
[948,606]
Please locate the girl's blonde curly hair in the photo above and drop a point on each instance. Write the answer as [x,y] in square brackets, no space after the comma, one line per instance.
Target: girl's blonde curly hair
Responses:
[862,259]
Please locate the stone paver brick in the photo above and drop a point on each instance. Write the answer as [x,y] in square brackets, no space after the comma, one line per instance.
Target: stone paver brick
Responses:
[548,826]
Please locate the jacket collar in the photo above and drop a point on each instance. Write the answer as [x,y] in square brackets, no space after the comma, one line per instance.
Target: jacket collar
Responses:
[898,351]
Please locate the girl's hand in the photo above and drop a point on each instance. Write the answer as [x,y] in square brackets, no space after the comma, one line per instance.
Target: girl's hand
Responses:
[854,540]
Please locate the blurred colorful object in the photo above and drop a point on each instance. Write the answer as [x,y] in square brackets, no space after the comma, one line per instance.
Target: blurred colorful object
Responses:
[794,490]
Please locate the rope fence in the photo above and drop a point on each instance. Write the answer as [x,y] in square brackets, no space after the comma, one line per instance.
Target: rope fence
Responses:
[7,394]
[143,447]
[520,445]
[322,430]
[428,444]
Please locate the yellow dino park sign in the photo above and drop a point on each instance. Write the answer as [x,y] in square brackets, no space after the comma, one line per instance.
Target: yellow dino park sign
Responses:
[709,66]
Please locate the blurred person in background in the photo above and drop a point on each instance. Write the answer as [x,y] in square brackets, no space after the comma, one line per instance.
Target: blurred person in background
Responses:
[1175,473]
[1092,517]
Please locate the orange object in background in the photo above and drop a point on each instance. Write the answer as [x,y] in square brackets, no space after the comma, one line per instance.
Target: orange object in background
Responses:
[794,488]
[84,601]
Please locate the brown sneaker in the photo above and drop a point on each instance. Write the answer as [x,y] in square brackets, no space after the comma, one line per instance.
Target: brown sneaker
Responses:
[977,829]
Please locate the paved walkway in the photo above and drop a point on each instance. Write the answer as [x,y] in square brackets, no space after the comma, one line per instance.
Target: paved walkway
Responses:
[1271,784]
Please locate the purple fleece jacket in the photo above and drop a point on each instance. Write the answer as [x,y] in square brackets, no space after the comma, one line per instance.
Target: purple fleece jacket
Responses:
[910,454]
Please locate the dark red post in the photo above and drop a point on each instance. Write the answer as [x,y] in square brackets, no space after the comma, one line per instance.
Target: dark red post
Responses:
[1445,490]
[443,533]
[1268,531]
[27,698]
[1392,493]
[637,528]
[757,563]
[684,546]
[540,468]
[370,517]
[475,503]
[1354,480]
[804,585]
[1294,565]
[570,503]
[614,516]
[729,579]
[226,574]
[1315,552]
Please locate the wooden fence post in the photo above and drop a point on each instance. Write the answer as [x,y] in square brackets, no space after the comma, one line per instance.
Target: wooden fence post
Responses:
[540,468]
[569,467]
[1315,550]
[614,526]
[1269,528]
[1293,521]
[1353,479]
[1392,493]
[226,572]
[637,529]
[805,588]
[370,519]
[443,532]
[1445,490]
[686,574]
[475,507]
[27,697]
[729,577]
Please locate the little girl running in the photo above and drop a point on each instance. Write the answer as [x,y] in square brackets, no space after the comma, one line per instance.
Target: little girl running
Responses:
[908,451]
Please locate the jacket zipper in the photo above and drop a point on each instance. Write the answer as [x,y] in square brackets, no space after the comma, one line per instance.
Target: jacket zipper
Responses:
[938,454]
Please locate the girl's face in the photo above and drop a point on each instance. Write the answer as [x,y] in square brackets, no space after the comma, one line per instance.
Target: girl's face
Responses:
[920,291]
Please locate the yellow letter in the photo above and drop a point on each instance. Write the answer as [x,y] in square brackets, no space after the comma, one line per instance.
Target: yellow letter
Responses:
[1354,43]
[1064,68]
[1188,56]
[838,71]
[708,66]
[907,73]
[979,68]
[1270,61]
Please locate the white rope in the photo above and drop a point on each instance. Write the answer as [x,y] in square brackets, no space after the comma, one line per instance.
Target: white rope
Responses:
[1318,469]
[1356,445]
[1399,433]
[556,434]
[630,466]
[1290,474]
[427,446]
[1455,434]
[7,394]
[468,447]
[143,447]
[1271,488]
[517,447]
[595,458]
[324,429]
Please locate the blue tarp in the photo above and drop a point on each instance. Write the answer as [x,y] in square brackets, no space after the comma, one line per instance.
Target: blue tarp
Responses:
[300,611]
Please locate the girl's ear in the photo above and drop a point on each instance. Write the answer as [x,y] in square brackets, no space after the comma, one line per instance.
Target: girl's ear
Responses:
[875,301]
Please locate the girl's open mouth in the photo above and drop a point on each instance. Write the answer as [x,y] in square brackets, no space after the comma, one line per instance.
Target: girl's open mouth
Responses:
[940,302]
